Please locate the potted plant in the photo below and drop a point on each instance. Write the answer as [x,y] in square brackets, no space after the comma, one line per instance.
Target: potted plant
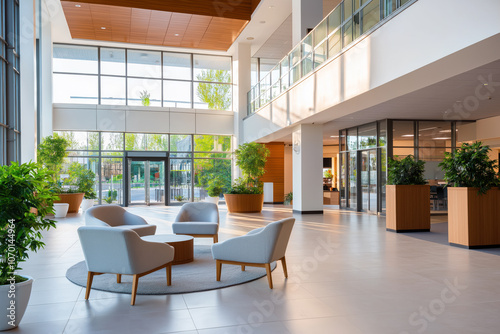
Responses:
[84,180]
[51,153]
[25,200]
[246,194]
[473,197]
[408,196]
[288,198]
[214,190]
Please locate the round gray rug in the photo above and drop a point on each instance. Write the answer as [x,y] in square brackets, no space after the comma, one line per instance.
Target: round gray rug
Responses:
[198,275]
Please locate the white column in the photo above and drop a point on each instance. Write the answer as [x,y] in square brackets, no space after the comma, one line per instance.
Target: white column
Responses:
[46,73]
[306,14]
[28,80]
[308,168]
[241,53]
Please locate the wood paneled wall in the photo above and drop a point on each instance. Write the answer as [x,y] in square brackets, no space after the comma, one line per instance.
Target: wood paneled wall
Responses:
[275,170]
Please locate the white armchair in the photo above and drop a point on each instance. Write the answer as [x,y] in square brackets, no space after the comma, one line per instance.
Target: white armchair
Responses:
[258,248]
[199,220]
[109,250]
[117,217]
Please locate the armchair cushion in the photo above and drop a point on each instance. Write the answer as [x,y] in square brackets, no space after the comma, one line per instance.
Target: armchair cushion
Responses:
[195,228]
[116,216]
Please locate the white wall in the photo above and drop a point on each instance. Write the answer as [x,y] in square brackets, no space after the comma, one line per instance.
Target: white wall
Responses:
[79,117]
[411,51]
[46,73]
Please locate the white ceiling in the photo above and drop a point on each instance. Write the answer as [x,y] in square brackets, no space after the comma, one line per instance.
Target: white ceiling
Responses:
[279,43]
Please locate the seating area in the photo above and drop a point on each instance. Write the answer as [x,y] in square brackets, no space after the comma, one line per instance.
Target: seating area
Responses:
[115,241]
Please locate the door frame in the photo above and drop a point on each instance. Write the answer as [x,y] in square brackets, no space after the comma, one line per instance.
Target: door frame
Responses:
[147,156]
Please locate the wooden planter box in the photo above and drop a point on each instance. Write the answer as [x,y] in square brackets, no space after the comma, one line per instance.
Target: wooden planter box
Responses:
[74,201]
[473,220]
[237,203]
[408,208]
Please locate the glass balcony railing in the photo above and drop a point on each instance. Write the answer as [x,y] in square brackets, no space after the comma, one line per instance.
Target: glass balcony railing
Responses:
[345,24]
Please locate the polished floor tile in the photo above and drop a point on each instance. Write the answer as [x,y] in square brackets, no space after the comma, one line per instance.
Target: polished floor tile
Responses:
[346,275]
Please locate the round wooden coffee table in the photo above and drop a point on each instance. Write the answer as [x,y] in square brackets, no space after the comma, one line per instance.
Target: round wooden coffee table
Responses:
[183,245]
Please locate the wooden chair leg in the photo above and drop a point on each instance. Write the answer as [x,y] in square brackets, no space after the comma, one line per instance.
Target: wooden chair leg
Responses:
[219,269]
[118,278]
[216,238]
[90,277]
[242,268]
[135,282]
[269,277]
[169,274]
[283,263]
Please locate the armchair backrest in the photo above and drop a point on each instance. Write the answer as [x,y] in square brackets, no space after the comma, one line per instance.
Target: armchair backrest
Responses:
[120,251]
[198,212]
[111,215]
[281,230]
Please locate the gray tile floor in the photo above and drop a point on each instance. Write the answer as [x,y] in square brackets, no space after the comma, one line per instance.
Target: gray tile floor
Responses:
[346,275]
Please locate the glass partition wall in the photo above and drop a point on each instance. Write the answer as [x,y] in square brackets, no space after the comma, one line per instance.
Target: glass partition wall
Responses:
[364,151]
[146,168]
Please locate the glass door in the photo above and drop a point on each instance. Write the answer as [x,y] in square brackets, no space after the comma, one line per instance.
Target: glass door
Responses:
[146,181]
[181,189]
[369,181]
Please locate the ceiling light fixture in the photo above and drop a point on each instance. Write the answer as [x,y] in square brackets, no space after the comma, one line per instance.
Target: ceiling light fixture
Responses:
[334,136]
[78,6]
[271,6]
[441,138]
[176,35]
[262,22]
[250,38]
[407,136]
[103,28]
[445,131]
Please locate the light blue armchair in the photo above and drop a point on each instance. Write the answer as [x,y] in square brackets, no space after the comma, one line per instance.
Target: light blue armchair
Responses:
[117,217]
[109,250]
[258,248]
[199,220]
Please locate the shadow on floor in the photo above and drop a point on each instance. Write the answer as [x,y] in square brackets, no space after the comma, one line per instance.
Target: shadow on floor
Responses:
[439,235]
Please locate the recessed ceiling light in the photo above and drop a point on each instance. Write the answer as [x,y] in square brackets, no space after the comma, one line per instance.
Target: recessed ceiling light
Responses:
[445,131]
[271,6]
[250,38]
[407,136]
[78,6]
[334,136]
[441,138]
[176,35]
[262,22]
[485,84]
[103,28]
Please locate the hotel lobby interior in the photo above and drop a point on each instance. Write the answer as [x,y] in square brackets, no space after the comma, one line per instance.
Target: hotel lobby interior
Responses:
[160,104]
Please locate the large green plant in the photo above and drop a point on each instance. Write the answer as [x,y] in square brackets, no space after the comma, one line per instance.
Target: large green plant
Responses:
[51,153]
[251,159]
[23,188]
[407,171]
[83,179]
[470,166]
[215,186]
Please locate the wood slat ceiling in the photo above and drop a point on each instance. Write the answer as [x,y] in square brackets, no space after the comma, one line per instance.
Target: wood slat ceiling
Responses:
[150,26]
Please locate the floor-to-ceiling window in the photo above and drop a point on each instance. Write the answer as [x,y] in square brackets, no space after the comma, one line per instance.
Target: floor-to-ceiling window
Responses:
[193,162]
[10,136]
[116,76]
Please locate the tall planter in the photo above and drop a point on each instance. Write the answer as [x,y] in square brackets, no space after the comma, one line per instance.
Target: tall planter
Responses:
[408,208]
[74,201]
[473,219]
[244,203]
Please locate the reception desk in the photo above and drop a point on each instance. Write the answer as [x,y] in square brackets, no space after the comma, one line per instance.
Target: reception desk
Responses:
[331,198]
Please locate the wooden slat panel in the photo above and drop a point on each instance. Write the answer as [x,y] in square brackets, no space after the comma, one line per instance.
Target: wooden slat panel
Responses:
[135,25]
[275,170]
[241,9]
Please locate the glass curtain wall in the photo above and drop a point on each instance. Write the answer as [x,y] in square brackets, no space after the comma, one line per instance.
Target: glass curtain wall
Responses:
[10,136]
[115,76]
[195,160]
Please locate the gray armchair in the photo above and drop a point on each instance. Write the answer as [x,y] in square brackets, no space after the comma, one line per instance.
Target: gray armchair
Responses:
[258,248]
[117,217]
[199,220]
[109,250]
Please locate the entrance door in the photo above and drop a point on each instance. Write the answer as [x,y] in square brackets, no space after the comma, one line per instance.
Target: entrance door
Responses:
[369,181]
[146,181]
